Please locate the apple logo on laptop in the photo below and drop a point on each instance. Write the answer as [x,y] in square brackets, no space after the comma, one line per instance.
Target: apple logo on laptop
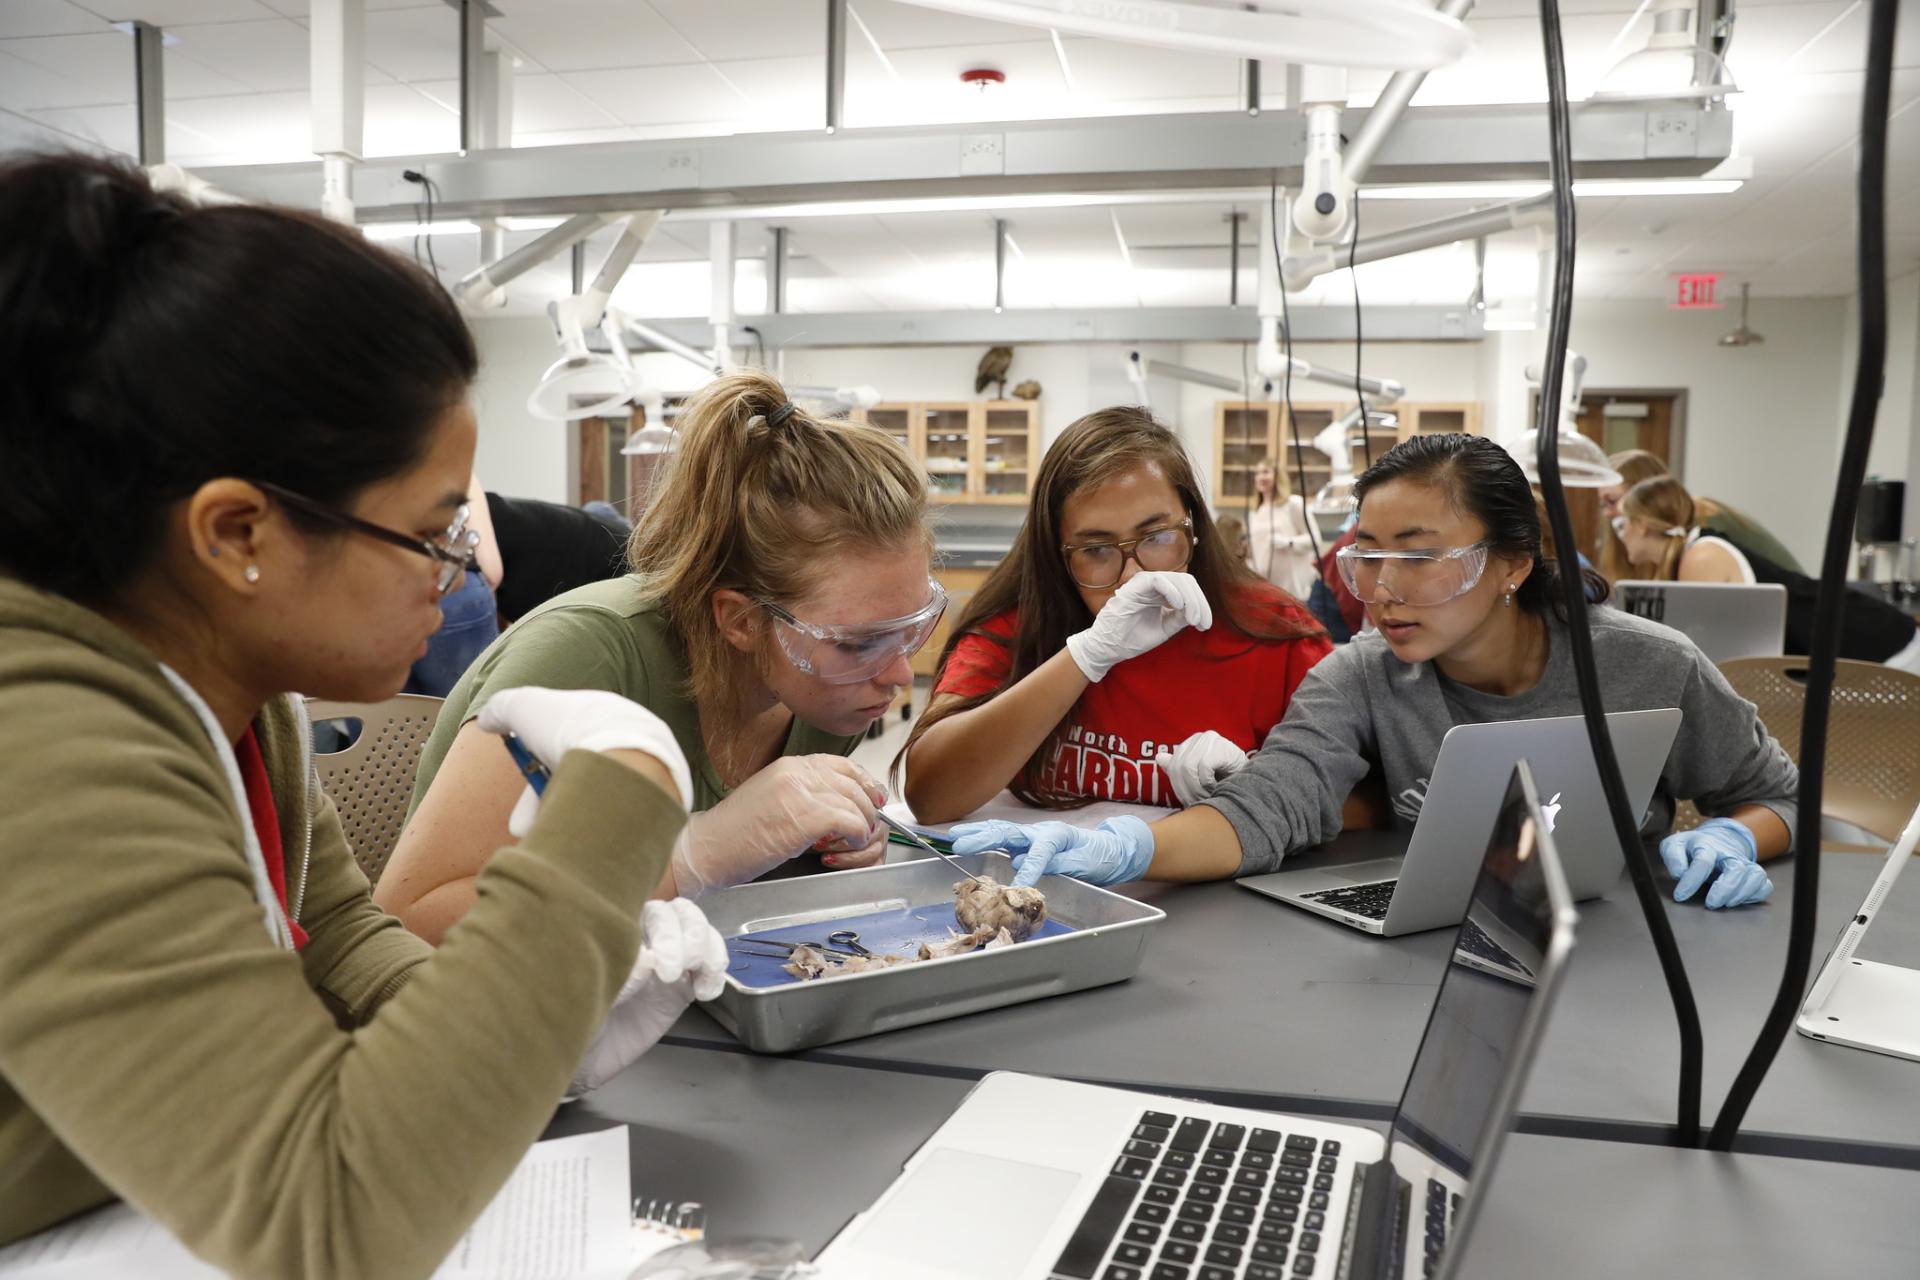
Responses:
[1551,810]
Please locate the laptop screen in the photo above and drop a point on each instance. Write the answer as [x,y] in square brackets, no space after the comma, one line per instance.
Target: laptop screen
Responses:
[1485,994]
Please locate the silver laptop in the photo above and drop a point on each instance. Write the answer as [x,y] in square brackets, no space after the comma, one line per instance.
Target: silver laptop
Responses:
[1427,887]
[1038,1179]
[1868,1004]
[1724,619]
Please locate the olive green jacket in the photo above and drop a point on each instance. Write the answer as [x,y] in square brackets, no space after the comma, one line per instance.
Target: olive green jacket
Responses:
[344,1111]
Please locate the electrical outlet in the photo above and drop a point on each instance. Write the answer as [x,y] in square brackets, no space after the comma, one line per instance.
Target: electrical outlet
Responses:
[1672,133]
[983,153]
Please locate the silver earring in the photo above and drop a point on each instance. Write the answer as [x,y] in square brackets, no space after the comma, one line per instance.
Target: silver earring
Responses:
[252,574]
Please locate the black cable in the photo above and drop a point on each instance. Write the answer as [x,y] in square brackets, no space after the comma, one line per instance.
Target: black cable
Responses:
[1572,587]
[1353,250]
[1871,185]
[1286,378]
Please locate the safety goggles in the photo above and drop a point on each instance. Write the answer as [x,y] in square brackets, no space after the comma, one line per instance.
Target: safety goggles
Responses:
[454,549]
[1621,522]
[1099,565]
[848,655]
[1423,578]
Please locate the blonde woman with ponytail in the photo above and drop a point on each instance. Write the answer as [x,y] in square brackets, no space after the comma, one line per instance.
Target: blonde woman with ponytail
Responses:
[781,583]
[1657,527]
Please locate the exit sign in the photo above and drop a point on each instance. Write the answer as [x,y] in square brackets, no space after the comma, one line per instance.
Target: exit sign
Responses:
[1694,292]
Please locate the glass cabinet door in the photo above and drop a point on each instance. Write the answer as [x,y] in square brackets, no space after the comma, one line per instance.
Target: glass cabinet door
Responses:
[1244,441]
[947,450]
[1311,420]
[896,420]
[1007,453]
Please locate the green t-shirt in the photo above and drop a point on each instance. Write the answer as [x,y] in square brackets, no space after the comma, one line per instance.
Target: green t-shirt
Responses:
[1743,531]
[601,636]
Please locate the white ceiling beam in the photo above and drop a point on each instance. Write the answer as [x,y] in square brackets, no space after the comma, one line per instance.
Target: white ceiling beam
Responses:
[1432,144]
[1116,324]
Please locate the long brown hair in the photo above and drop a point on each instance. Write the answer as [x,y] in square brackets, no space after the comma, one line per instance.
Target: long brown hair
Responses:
[1662,503]
[1033,581]
[1634,465]
[762,504]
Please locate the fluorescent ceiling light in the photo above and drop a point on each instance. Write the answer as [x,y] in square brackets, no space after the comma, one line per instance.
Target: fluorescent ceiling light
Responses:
[1668,187]
[408,230]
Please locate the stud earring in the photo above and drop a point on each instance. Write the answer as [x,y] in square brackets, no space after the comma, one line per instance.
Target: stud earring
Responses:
[252,574]
[213,551]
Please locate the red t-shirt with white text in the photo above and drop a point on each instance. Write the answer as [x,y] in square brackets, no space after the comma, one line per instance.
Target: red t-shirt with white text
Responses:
[1216,679]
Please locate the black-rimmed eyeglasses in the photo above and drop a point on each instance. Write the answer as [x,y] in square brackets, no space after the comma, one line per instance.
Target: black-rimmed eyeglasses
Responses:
[454,551]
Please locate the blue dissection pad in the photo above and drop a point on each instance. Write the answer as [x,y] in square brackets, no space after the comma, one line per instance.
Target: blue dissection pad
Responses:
[883,933]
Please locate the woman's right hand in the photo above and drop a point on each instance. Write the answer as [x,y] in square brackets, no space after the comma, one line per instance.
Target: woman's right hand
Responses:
[552,722]
[788,807]
[1149,610]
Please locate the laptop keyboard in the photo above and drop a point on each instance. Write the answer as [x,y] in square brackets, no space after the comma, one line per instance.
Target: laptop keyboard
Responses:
[1442,1208]
[1369,900]
[1192,1200]
[1474,941]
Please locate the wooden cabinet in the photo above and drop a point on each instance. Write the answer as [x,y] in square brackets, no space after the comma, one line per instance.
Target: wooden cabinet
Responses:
[973,450]
[1244,432]
[960,585]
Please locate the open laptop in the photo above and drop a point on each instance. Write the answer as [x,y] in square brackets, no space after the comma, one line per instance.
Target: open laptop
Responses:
[1038,1179]
[1868,1004]
[1725,619]
[1427,887]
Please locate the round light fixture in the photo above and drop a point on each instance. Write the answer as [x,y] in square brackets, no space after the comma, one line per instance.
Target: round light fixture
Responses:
[580,387]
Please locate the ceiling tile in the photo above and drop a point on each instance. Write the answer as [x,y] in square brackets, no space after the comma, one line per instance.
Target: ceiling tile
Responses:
[270,56]
[747,28]
[273,128]
[415,44]
[401,121]
[548,104]
[660,95]
[179,13]
[45,18]
[906,26]
[580,35]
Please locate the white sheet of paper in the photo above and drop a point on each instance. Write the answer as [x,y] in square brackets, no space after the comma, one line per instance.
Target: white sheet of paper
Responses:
[565,1214]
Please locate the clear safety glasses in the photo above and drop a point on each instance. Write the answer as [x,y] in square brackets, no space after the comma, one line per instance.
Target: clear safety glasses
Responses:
[1098,565]
[1421,578]
[1621,522]
[848,655]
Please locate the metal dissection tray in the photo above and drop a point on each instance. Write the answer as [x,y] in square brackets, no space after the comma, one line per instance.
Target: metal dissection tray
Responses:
[1106,937]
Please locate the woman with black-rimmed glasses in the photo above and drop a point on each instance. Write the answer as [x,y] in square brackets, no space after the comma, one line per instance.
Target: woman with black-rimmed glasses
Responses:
[1119,633]
[201,1008]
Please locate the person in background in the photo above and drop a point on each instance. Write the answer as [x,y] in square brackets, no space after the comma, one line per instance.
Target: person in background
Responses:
[1119,632]
[204,1012]
[1468,629]
[1717,518]
[1655,524]
[546,549]
[1233,532]
[781,583]
[1277,531]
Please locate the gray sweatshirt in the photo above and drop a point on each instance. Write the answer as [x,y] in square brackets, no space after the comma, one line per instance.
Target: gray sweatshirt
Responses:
[1363,710]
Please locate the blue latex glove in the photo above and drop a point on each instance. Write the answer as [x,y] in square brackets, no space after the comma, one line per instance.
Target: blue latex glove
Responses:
[1717,845]
[1118,850]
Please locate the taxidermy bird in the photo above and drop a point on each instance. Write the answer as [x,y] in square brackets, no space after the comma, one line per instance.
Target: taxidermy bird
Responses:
[993,368]
[1028,390]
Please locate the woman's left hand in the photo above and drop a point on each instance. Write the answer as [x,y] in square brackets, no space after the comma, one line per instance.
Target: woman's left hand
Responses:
[846,855]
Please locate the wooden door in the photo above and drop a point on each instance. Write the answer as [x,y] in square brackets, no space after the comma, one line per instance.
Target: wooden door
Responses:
[1622,420]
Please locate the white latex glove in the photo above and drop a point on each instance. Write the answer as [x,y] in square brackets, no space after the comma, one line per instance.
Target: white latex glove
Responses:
[1198,766]
[1145,613]
[552,722]
[792,805]
[682,959]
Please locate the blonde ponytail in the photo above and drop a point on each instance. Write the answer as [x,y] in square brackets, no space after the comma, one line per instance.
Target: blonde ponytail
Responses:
[1662,503]
[759,498]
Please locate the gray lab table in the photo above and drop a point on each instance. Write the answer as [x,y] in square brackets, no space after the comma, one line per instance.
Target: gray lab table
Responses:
[1244,1000]
[790,1148]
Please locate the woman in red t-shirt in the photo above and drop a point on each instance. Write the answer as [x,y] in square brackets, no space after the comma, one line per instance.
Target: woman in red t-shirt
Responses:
[1119,627]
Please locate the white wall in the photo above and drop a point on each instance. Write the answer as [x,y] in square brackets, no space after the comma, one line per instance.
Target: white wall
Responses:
[519,455]
[1760,421]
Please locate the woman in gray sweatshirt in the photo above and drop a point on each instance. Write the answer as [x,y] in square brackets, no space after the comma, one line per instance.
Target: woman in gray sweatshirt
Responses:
[1467,629]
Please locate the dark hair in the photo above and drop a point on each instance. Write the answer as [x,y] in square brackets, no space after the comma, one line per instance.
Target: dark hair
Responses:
[1481,479]
[151,344]
[1033,579]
